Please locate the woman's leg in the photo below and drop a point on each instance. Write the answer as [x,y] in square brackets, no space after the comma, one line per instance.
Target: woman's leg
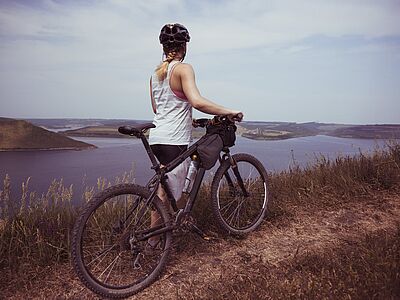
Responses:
[164,154]
[155,217]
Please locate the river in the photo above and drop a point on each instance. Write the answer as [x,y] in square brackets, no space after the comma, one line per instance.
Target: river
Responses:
[114,156]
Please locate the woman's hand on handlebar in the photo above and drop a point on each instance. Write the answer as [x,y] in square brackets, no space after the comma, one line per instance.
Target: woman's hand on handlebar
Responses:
[200,122]
[236,116]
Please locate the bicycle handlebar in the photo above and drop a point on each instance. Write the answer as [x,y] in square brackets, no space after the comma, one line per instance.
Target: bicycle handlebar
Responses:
[238,117]
[203,122]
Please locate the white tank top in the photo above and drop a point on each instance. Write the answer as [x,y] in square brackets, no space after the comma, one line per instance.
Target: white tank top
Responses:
[173,117]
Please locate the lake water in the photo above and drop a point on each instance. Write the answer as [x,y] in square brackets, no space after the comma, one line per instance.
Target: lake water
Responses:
[114,156]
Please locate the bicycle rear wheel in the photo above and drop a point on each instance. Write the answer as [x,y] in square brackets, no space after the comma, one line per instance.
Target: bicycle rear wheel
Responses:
[240,197]
[110,249]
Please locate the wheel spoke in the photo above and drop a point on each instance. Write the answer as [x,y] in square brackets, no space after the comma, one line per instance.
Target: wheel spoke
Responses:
[110,267]
[101,255]
[232,215]
[227,206]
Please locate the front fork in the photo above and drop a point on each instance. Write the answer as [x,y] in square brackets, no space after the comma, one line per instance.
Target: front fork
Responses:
[235,169]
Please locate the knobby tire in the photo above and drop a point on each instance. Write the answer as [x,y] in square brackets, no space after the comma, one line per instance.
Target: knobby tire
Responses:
[93,226]
[236,212]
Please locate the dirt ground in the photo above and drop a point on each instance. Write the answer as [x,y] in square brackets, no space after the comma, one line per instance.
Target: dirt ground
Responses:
[229,268]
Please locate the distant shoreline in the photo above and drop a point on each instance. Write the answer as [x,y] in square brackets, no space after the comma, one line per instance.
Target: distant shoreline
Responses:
[267,138]
[267,131]
[46,149]
[253,137]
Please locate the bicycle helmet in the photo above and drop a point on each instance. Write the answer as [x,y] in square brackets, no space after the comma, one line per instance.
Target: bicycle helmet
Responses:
[174,34]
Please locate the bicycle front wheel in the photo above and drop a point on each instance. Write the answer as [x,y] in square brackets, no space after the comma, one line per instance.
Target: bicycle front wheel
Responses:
[111,249]
[239,194]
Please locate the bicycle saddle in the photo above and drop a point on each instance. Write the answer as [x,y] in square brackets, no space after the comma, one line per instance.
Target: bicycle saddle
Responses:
[135,129]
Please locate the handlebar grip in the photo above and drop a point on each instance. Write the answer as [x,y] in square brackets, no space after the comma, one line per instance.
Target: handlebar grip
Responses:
[200,122]
[238,117]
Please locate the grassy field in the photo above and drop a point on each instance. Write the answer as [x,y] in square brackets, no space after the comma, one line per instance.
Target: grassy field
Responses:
[332,231]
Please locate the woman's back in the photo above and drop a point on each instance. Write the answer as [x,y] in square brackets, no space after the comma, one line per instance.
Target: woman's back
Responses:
[173,117]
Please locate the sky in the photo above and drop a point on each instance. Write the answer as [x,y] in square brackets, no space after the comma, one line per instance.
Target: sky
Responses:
[298,61]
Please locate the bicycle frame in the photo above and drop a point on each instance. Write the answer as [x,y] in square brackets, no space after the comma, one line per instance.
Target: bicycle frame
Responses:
[161,171]
[160,178]
[148,233]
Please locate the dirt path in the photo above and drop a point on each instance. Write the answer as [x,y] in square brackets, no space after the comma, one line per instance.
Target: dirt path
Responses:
[199,272]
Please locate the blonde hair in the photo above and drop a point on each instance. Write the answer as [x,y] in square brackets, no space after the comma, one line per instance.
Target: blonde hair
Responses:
[162,69]
[170,54]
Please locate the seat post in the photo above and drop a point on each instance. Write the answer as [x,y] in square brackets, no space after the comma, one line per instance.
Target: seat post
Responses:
[149,151]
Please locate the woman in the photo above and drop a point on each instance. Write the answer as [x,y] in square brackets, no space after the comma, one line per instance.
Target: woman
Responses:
[174,93]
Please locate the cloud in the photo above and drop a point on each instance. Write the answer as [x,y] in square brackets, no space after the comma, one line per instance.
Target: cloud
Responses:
[215,25]
[113,44]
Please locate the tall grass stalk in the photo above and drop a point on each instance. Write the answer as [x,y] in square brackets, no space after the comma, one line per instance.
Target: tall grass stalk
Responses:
[345,177]
[38,230]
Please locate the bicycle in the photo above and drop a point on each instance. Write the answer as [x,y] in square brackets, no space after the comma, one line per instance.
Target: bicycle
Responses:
[113,232]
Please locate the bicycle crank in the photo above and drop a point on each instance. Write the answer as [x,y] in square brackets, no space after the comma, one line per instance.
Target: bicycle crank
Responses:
[187,223]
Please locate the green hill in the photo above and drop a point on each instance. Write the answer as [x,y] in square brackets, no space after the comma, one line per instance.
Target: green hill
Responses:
[22,135]
[379,131]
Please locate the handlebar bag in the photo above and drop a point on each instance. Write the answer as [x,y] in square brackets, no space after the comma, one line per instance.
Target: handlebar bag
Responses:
[226,132]
[209,149]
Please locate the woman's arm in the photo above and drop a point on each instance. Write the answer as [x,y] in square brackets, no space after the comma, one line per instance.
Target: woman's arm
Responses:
[196,100]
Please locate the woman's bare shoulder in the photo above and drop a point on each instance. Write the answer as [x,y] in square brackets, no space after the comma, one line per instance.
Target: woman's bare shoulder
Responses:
[184,68]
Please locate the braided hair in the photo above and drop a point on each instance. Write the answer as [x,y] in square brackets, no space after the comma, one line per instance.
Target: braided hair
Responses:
[170,53]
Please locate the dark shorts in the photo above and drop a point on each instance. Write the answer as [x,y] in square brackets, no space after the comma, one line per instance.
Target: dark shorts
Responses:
[167,153]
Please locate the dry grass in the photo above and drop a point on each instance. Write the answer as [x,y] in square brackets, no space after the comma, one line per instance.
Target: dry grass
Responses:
[36,232]
[322,184]
[368,269]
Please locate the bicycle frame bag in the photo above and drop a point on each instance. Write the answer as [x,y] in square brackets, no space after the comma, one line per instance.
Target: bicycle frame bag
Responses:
[209,150]
[226,132]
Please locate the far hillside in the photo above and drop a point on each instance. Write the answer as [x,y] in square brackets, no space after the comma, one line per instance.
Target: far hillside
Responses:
[258,130]
[383,131]
[22,135]
[95,131]
[282,130]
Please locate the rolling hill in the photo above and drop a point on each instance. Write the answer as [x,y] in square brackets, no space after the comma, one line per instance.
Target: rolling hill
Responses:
[22,135]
